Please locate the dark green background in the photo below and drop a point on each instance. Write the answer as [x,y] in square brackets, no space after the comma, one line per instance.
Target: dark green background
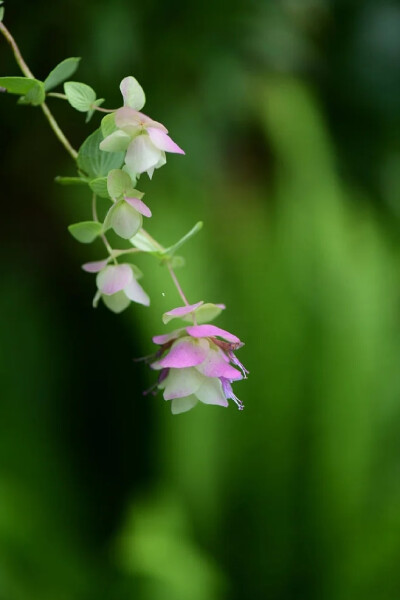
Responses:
[289,112]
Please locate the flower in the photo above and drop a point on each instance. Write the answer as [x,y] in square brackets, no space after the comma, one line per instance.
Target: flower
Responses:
[197,363]
[117,285]
[144,140]
[125,215]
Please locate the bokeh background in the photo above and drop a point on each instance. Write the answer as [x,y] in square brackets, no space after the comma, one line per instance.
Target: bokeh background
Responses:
[289,112]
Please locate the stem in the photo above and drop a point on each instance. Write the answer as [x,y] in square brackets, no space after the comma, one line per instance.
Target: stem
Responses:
[28,73]
[105,110]
[177,284]
[103,237]
[57,95]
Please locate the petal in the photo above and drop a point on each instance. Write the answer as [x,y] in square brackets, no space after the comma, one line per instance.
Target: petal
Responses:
[142,154]
[138,205]
[211,392]
[118,141]
[182,382]
[118,182]
[185,352]
[136,293]
[211,331]
[113,279]
[163,141]
[208,312]
[125,220]
[117,302]
[96,266]
[180,405]
[215,365]
[181,311]
[132,93]
[161,162]
[127,118]
[167,337]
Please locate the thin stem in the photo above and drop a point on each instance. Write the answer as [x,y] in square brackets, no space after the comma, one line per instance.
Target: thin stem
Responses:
[105,110]
[117,253]
[17,54]
[57,95]
[103,237]
[176,283]
[28,73]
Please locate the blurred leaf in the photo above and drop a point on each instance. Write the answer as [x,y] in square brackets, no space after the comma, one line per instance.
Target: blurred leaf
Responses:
[141,241]
[1,12]
[70,180]
[108,125]
[172,249]
[86,231]
[92,110]
[32,89]
[61,72]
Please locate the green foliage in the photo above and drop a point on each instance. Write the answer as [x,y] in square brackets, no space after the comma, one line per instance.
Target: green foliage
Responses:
[31,90]
[93,162]
[61,72]
[85,231]
[172,249]
[142,242]
[79,95]
[1,11]
[70,180]
[108,124]
[99,187]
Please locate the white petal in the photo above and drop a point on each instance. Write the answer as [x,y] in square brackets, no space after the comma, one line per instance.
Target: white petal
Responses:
[113,279]
[132,93]
[124,219]
[180,405]
[136,293]
[118,141]
[182,382]
[211,392]
[142,154]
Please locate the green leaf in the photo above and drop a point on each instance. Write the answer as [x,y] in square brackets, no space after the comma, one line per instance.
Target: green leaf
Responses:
[71,180]
[35,96]
[92,110]
[86,231]
[99,187]
[93,162]
[79,95]
[61,72]
[172,249]
[18,85]
[141,241]
[108,125]
[1,12]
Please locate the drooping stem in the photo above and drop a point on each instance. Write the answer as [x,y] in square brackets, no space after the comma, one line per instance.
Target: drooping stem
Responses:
[28,73]
[177,284]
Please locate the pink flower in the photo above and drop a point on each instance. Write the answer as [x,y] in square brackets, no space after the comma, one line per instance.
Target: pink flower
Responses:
[117,285]
[197,363]
[144,140]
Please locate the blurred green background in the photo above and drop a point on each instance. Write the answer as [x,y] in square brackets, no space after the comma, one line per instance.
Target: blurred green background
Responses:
[289,112]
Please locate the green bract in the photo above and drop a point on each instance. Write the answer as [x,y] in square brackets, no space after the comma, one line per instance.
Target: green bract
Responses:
[172,249]
[108,125]
[80,95]
[93,162]
[99,187]
[86,231]
[61,72]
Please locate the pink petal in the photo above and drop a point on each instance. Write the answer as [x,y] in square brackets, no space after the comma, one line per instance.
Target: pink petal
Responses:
[163,141]
[210,331]
[113,279]
[167,337]
[185,353]
[127,117]
[216,365]
[95,267]
[183,310]
[139,206]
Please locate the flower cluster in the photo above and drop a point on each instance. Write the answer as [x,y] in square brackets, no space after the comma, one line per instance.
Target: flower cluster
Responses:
[197,362]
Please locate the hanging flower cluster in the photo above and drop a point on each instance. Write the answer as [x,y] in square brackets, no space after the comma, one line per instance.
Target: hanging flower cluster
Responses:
[197,362]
